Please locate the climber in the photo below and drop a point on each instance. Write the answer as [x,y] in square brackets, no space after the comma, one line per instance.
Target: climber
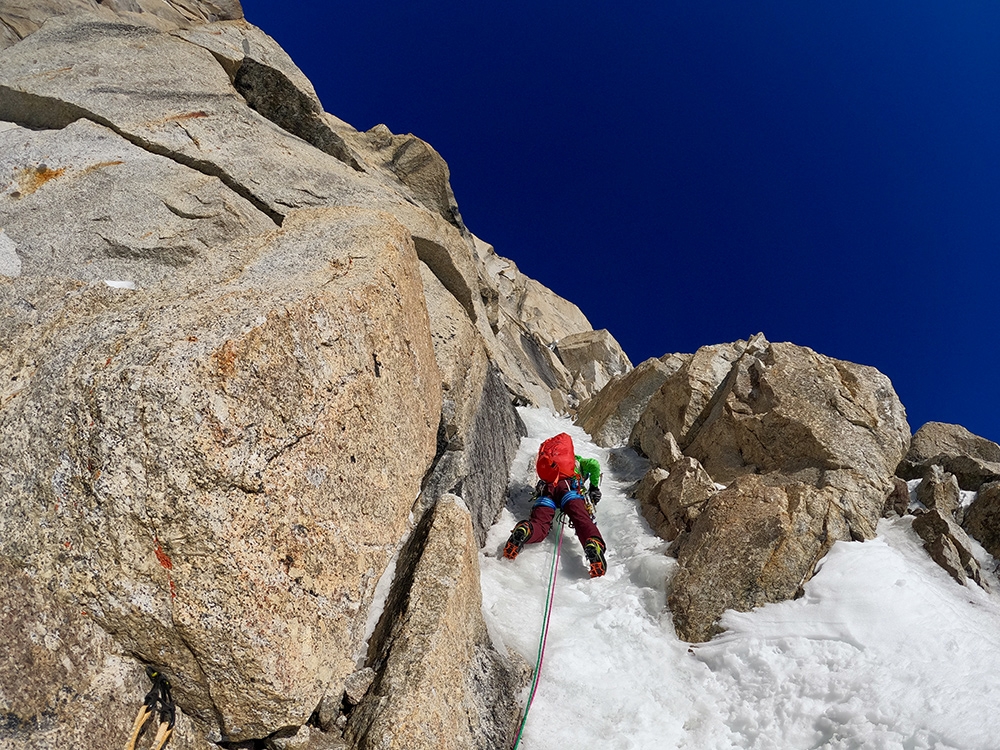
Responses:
[157,701]
[562,476]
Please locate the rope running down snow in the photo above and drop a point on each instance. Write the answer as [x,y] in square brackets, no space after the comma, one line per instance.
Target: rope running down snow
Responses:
[553,572]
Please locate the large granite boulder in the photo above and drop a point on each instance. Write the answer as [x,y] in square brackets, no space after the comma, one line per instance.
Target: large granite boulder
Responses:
[441,684]
[217,469]
[786,408]
[972,459]
[754,543]
[819,436]
[609,415]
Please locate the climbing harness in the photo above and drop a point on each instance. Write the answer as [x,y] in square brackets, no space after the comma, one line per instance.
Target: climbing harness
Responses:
[553,572]
[158,702]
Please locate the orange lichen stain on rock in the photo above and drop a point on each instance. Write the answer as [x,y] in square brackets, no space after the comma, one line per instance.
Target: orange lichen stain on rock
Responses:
[99,165]
[225,358]
[30,179]
[184,116]
[164,558]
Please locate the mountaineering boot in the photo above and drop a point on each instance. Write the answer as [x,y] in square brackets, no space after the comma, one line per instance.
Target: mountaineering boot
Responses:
[594,549]
[517,539]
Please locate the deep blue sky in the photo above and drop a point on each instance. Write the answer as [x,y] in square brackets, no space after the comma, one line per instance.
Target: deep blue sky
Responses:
[690,173]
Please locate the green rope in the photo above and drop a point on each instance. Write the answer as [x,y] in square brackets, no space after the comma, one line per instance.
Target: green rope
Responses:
[553,571]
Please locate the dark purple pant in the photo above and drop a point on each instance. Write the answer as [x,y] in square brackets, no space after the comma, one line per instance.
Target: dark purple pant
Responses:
[541,521]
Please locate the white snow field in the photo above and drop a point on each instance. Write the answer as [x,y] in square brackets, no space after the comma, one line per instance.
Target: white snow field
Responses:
[884,651]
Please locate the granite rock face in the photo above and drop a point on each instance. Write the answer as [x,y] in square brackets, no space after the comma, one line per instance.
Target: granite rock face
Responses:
[948,545]
[21,18]
[248,348]
[216,474]
[982,519]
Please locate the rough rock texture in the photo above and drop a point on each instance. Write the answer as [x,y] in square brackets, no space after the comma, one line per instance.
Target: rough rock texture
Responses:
[898,500]
[439,640]
[63,681]
[610,415]
[821,436]
[939,490]
[480,429]
[982,518]
[671,502]
[217,474]
[528,319]
[685,396]
[786,408]
[594,357]
[972,459]
[247,348]
[948,545]
[754,543]
[20,18]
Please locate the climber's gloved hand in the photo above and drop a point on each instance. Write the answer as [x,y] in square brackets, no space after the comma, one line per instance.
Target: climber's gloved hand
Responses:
[540,489]
[595,495]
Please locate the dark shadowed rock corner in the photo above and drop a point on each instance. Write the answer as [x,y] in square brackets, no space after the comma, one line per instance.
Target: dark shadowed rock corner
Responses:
[947,544]
[982,519]
[441,683]
[972,459]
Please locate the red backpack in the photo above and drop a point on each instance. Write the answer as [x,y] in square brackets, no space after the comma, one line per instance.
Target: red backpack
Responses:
[556,459]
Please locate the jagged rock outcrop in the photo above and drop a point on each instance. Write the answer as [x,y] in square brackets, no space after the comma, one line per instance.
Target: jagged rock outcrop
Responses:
[439,640]
[947,544]
[982,519]
[807,445]
[610,415]
[248,348]
[972,459]
[671,500]
[939,490]
[683,399]
[594,357]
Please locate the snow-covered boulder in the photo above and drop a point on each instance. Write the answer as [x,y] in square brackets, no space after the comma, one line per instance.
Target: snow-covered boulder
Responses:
[755,542]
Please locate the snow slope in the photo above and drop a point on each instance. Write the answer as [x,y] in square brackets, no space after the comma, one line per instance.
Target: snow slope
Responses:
[885,650]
